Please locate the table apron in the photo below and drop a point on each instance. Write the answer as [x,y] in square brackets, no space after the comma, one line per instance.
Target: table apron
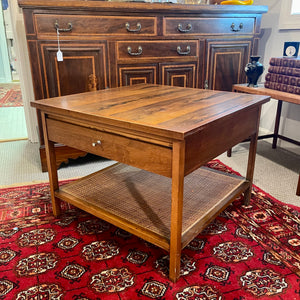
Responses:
[220,136]
[144,155]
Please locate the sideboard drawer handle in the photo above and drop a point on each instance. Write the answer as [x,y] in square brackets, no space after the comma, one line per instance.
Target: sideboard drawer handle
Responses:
[235,29]
[97,143]
[137,29]
[187,52]
[187,28]
[56,26]
[140,51]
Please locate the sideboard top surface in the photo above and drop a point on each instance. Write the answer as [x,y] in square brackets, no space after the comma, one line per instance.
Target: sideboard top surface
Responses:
[132,6]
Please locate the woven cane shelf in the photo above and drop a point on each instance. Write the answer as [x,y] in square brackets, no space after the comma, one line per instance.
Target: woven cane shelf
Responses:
[140,202]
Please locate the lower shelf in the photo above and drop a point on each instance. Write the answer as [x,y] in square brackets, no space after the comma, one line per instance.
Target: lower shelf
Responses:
[140,202]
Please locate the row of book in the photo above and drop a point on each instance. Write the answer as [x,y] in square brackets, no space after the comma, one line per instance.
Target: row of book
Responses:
[282,87]
[280,78]
[291,62]
[284,75]
[285,71]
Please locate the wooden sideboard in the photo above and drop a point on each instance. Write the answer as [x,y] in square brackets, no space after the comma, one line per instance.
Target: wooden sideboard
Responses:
[110,44]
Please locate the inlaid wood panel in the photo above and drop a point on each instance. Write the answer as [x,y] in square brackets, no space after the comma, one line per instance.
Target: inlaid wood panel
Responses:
[226,62]
[129,75]
[83,68]
[184,75]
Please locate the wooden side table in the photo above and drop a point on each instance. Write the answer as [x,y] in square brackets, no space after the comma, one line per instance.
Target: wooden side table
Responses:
[161,136]
[277,95]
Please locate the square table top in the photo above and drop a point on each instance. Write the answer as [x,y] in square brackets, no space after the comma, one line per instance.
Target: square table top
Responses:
[161,110]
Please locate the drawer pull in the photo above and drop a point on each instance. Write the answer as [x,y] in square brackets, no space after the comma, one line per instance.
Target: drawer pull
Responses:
[56,25]
[180,52]
[187,28]
[97,143]
[235,29]
[140,51]
[137,29]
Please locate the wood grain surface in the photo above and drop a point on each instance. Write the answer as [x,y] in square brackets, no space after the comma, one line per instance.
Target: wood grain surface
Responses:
[174,112]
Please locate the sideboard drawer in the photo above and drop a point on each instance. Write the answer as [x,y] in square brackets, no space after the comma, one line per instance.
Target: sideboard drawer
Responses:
[157,49]
[113,146]
[216,26]
[95,25]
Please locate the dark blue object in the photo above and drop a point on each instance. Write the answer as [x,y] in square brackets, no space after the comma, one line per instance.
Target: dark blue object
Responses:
[253,70]
[4,4]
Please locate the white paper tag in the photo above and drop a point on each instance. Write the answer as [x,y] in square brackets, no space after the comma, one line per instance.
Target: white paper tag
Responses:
[59,56]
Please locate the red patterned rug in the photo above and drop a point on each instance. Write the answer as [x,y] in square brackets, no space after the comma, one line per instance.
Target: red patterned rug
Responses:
[246,253]
[10,97]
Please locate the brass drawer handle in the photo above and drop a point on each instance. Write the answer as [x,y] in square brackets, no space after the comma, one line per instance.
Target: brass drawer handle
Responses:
[140,51]
[180,52]
[187,28]
[56,26]
[137,29]
[97,143]
[235,29]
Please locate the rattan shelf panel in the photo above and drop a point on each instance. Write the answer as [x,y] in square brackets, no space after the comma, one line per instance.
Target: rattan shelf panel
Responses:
[140,201]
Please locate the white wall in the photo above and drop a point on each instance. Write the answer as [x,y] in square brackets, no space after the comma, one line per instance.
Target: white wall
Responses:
[23,68]
[271,45]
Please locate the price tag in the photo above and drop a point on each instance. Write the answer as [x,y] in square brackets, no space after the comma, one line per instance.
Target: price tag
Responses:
[59,56]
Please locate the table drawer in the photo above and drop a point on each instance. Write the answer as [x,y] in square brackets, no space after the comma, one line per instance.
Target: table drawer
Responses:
[215,26]
[157,49]
[94,25]
[151,157]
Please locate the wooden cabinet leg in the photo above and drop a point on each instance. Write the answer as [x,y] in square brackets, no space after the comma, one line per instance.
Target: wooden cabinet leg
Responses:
[176,210]
[52,169]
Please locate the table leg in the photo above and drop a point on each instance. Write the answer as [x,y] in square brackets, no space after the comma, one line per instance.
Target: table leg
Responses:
[52,169]
[251,160]
[229,152]
[277,122]
[250,168]
[176,209]
[298,187]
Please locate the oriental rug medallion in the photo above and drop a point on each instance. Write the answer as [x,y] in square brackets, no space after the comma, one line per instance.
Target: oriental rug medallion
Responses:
[248,252]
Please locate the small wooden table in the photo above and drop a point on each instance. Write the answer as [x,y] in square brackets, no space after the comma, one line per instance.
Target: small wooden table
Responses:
[161,136]
[277,95]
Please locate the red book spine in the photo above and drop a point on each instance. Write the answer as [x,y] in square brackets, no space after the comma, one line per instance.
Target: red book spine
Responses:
[270,85]
[289,80]
[284,71]
[291,62]
[282,87]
